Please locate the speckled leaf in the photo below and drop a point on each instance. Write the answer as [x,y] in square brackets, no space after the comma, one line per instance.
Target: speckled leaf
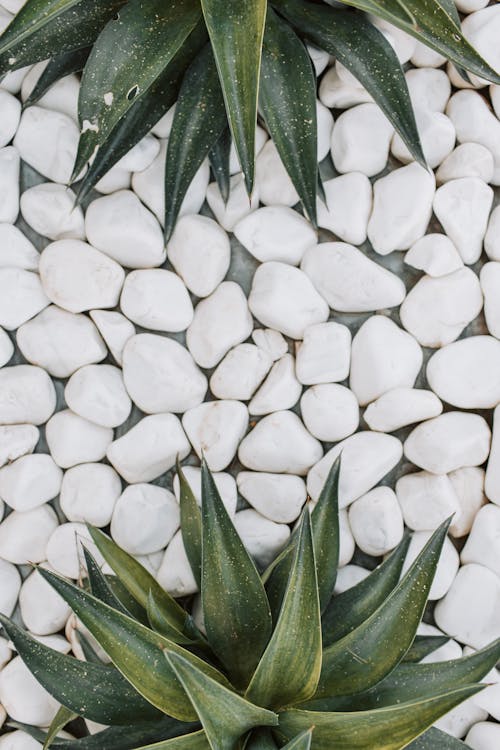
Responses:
[219,157]
[194,741]
[423,645]
[236,29]
[99,585]
[435,739]
[261,739]
[62,717]
[57,68]
[190,524]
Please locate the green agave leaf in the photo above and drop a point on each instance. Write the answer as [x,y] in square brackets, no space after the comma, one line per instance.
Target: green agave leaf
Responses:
[190,525]
[435,739]
[95,691]
[99,586]
[62,717]
[225,715]
[383,729]
[261,739]
[57,68]
[301,742]
[136,651]
[367,654]
[289,670]
[219,156]
[350,609]
[236,29]
[160,624]
[194,741]
[199,119]
[423,645]
[235,606]
[89,653]
[288,103]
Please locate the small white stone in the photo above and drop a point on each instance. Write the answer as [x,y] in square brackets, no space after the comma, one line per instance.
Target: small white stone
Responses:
[495,98]
[376,521]
[470,611]
[18,740]
[469,6]
[279,497]
[437,136]
[336,94]
[10,107]
[330,412]
[122,227]
[50,210]
[215,429]
[5,651]
[325,353]
[272,342]
[263,539]
[48,142]
[74,440]
[261,138]
[402,208]
[490,285]
[16,251]
[492,482]
[30,481]
[474,121]
[468,484]
[62,96]
[482,543]
[366,458]
[27,394]
[319,57]
[89,493]
[348,207]
[435,254]
[280,443]
[425,57]
[383,357]
[97,393]
[11,584]
[65,550]
[275,233]
[467,160]
[429,89]
[448,442]
[280,390]
[142,155]
[463,207]
[447,567]
[492,237]
[115,330]
[349,576]
[464,373]
[360,140]
[43,610]
[24,698]
[21,297]
[240,373]
[238,205]
[484,735]
[400,407]
[220,321]
[225,483]
[273,183]
[402,43]
[156,299]
[9,184]
[175,574]
[115,179]
[6,348]
[77,277]
[325,122]
[60,342]
[426,500]
[349,281]
[24,536]
[200,252]
[145,519]
[149,449]
[16,441]
[482,30]
[347,544]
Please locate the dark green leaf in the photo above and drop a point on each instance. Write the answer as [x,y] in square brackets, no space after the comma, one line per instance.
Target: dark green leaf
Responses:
[62,717]
[236,29]
[157,620]
[301,742]
[261,739]
[219,157]
[196,741]
[190,525]
[235,606]
[57,68]
[434,739]
[99,586]
[451,9]
[423,645]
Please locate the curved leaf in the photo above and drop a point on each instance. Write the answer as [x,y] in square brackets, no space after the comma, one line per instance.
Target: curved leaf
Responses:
[261,739]
[190,524]
[99,585]
[435,739]
[236,29]
[195,741]
[62,717]
[423,645]
[219,156]
[57,68]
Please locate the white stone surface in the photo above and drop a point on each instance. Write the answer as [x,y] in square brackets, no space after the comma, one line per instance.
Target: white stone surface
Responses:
[272,342]
[43,610]
[435,254]
[6,348]
[463,207]
[226,485]
[437,136]
[263,538]
[145,518]
[59,135]
[490,285]
[97,393]
[115,330]
[21,297]
[89,493]
[467,160]
[482,543]
[50,210]
[376,521]
[468,484]
[240,373]
[361,138]
[11,114]
[74,440]
[215,429]
[429,89]
[279,497]
[142,155]
[24,536]
[335,93]
[24,698]
[426,500]
[280,390]
[492,237]
[30,481]
[475,122]
[483,736]
[16,251]
[273,184]
[324,354]
[65,550]
[27,394]
[330,412]
[9,184]
[400,407]
[11,584]
[447,567]
[62,96]
[175,574]
[275,233]
[348,207]
[482,29]
[16,441]
[156,299]
[238,205]
[492,481]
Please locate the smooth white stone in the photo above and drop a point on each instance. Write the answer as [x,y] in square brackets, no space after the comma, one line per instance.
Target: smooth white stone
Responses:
[463,207]
[74,440]
[77,277]
[6,348]
[280,444]
[347,544]
[448,442]
[220,321]
[366,458]
[336,94]
[467,160]
[324,355]
[89,493]
[5,652]
[426,500]
[437,136]
[43,610]
[16,251]
[238,205]
[24,536]
[488,699]
[376,521]
[429,89]
[325,122]
[122,227]
[9,184]
[319,57]
[175,574]
[330,412]
[284,298]
[21,297]
[60,342]
[482,30]
[115,179]
[149,449]
[278,497]
[271,342]
[145,519]
[470,611]
[50,210]
[349,281]
[240,373]
[435,254]
[156,299]
[449,650]
[115,329]
[10,107]
[65,550]
[402,43]
[349,576]
[273,184]
[465,373]
[492,482]
[425,57]
[200,252]
[492,237]
[345,74]
[23,697]
[482,543]
[276,233]
[360,140]
[348,207]
[18,740]
[383,357]
[495,98]
[30,481]
[280,390]
[142,155]
[151,562]
[400,407]
[261,138]
[402,208]
[59,135]
[447,567]
[225,483]
[484,735]
[215,429]
[474,121]
[469,6]
[16,441]
[62,96]
[11,584]
[468,484]
[27,394]
[263,539]
[490,285]
[97,393]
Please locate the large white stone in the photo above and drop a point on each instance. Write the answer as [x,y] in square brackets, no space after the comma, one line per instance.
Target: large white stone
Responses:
[468,484]
[400,407]
[97,393]
[16,441]
[347,544]
[115,330]
[48,142]
[474,121]
[89,493]
[274,186]
[485,735]
[65,550]
[425,57]
[50,210]
[360,140]
[492,481]
[43,610]
[30,481]
[482,543]
[426,500]
[24,536]
[435,254]
[27,394]
[175,574]
[74,440]
[467,160]
[24,698]
[215,429]
[275,233]
[348,207]
[492,237]
[156,299]
[376,521]
[490,285]
[9,184]
[324,355]
[10,107]
[145,519]
[6,348]
[447,567]
[335,93]
[437,136]
[21,297]
[10,579]
[330,412]
[463,207]
[280,390]
[429,89]
[278,497]
[263,538]
[240,373]
[224,482]
[16,251]
[482,30]
[238,204]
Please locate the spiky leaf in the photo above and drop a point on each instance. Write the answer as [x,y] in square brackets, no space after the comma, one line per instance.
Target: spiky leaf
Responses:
[190,525]
[62,717]
[435,739]
[57,68]
[261,739]
[194,741]
[219,157]
[423,645]
[99,586]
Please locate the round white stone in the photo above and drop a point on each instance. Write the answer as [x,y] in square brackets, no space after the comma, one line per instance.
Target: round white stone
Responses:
[238,205]
[275,233]
[429,89]
[361,138]
[215,429]
[482,543]
[175,574]
[475,122]
[347,544]
[240,373]
[490,285]
[425,57]
[447,567]
[50,210]
[376,521]
[263,538]
[467,160]
[11,584]
[280,390]
[6,348]
[24,699]
[156,299]
[492,483]
[74,440]
[30,481]
[115,330]
[468,484]
[10,107]
[16,251]
[21,297]
[485,735]
[145,519]
[43,610]
[348,207]
[142,155]
[9,184]
[492,237]
[115,179]
[274,185]
[62,96]
[435,254]
[349,576]
[463,207]
[27,394]
[482,30]
[97,393]
[324,355]
[16,441]
[65,550]
[89,493]
[426,500]
[272,342]
[437,136]
[336,94]
[225,484]
[279,497]
[400,407]
[48,142]
[24,536]
[330,412]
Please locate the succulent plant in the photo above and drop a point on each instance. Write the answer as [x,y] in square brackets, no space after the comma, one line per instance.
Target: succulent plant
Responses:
[226,63]
[279,661]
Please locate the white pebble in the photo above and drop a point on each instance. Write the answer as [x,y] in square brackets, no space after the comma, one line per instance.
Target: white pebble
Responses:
[348,207]
[330,412]
[225,483]
[324,355]
[50,210]
[347,544]
[482,30]
[65,550]
[6,348]
[492,482]
[349,576]
[10,107]
[425,57]
[215,429]
[319,57]
[24,536]
[175,574]
[16,251]
[21,297]
[43,610]
[495,98]
[115,179]
[437,136]
[463,207]
[426,500]
[30,481]
[376,521]
[59,135]
[474,121]
[325,122]
[336,94]
[400,407]
[272,342]
[482,543]
[492,237]
[274,186]
[238,205]
[145,519]
[435,254]
[468,484]
[467,160]
[24,699]
[156,299]
[11,584]
[279,497]
[275,233]
[115,330]
[240,373]
[490,285]
[447,567]
[263,538]
[429,89]
[280,390]
[484,735]
[360,140]
[89,493]
[16,441]
[142,155]
[27,394]
[9,184]
[402,43]
[97,393]
[74,440]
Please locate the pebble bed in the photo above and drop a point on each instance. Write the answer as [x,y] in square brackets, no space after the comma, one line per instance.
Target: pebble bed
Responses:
[269,350]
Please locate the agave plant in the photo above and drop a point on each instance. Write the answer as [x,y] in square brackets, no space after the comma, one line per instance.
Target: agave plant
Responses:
[279,661]
[226,63]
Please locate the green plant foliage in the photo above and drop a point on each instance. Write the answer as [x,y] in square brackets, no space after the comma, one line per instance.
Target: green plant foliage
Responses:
[251,684]
[139,57]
